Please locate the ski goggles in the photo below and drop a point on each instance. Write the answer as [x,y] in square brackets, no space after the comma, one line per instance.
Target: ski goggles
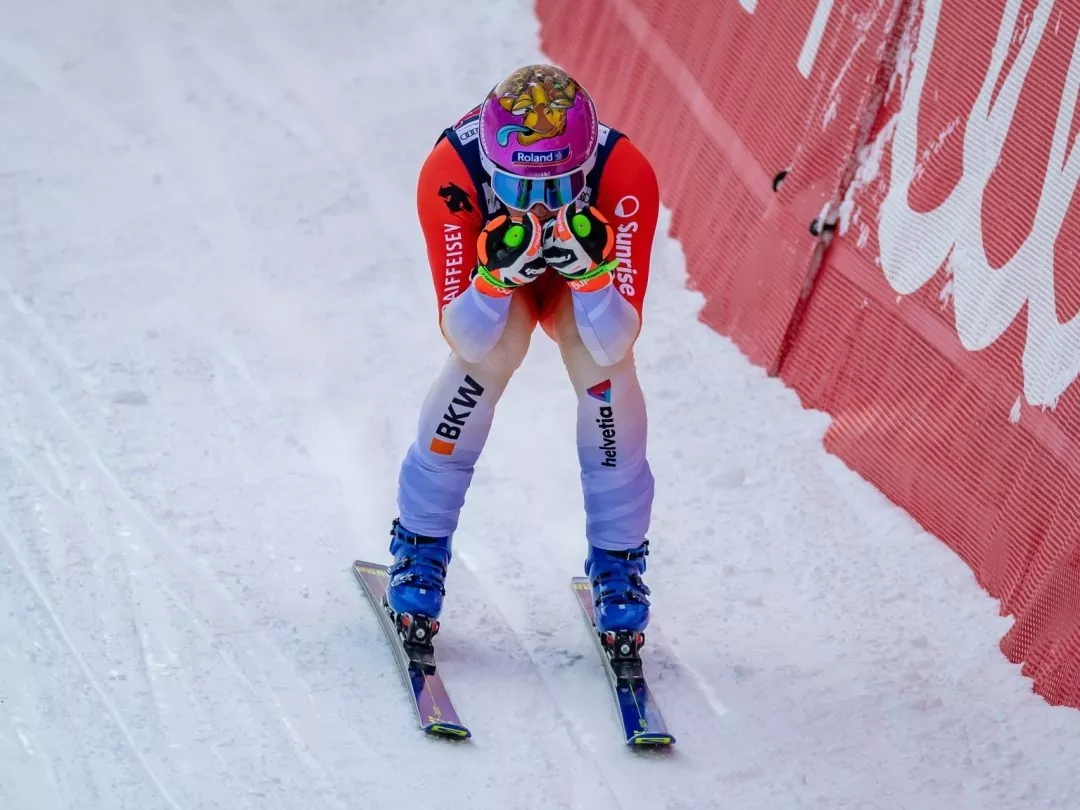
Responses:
[523,193]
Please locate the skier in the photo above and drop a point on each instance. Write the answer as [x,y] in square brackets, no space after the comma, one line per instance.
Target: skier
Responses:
[533,213]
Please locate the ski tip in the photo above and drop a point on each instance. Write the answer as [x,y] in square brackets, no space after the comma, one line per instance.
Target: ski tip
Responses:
[448,730]
[651,739]
[580,584]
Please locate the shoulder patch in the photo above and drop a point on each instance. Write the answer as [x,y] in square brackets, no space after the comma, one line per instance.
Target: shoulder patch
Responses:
[468,130]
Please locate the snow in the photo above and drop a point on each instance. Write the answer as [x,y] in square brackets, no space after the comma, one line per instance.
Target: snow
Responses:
[216,328]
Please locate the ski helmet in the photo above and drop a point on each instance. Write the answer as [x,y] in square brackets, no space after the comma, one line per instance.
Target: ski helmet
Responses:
[538,137]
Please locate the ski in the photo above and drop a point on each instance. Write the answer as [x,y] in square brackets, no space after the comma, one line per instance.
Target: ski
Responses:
[433,707]
[641,718]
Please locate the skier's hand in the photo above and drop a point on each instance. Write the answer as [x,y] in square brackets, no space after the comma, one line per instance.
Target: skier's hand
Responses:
[579,243]
[510,253]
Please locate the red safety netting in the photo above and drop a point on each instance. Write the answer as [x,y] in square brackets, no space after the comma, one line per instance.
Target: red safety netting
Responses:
[939,325]
[720,123]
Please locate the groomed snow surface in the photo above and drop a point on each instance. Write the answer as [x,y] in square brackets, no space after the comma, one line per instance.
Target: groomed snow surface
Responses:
[216,328]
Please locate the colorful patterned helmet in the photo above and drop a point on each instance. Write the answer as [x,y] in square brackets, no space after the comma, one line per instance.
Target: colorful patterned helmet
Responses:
[538,136]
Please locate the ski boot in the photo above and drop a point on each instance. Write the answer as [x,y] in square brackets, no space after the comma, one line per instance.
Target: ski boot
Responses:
[415,591]
[622,606]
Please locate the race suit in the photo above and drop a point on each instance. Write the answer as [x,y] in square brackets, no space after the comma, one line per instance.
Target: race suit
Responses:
[595,328]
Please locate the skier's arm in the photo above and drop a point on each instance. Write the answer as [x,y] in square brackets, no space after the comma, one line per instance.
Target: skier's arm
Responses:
[607,308]
[473,323]
[472,317]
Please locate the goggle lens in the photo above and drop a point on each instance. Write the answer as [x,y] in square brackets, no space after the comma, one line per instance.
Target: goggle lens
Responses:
[524,192]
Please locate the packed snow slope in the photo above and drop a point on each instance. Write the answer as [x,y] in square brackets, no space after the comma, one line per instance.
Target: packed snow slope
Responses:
[216,328]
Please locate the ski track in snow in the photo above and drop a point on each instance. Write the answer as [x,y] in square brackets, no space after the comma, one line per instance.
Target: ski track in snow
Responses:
[216,328]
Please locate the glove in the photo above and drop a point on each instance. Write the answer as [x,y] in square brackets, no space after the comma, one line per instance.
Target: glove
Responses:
[510,253]
[579,243]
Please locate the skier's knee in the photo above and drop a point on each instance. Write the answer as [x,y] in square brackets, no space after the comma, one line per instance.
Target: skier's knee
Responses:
[508,354]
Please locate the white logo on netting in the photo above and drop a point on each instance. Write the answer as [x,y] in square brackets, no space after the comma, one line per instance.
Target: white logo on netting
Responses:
[915,244]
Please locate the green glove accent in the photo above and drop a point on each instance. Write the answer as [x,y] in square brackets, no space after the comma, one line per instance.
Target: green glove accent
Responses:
[606,267]
[581,225]
[485,274]
[514,236]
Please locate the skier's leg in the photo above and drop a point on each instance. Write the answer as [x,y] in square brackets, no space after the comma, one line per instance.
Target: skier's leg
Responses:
[612,428]
[454,424]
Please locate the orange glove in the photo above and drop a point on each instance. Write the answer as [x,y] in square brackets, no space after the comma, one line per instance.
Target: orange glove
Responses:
[579,243]
[510,254]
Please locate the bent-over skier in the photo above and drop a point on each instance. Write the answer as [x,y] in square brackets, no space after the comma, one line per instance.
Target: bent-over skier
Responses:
[533,213]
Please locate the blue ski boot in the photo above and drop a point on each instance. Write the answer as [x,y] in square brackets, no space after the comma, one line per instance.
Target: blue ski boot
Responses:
[414,594]
[620,595]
